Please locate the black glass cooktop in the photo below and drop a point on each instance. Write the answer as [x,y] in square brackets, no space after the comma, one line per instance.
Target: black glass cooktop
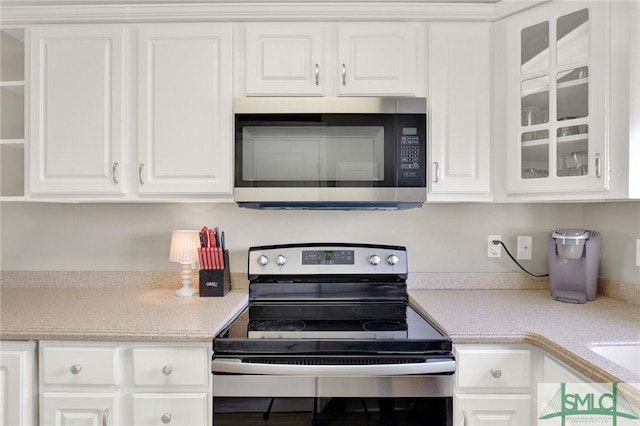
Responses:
[331,328]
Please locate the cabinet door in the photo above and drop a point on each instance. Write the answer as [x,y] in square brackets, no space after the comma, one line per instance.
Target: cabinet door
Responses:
[185,108]
[378,59]
[459,87]
[77,104]
[285,59]
[17,383]
[188,409]
[557,95]
[492,410]
[78,409]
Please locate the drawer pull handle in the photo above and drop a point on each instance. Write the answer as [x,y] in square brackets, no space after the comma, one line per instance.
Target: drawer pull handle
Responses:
[166,418]
[105,413]
[464,418]
[140,167]
[496,373]
[344,75]
[166,370]
[317,75]
[75,369]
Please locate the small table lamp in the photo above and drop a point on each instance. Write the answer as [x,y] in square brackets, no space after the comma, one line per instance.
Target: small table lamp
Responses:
[184,249]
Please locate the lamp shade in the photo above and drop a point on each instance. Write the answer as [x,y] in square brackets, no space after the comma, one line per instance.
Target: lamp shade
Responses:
[184,246]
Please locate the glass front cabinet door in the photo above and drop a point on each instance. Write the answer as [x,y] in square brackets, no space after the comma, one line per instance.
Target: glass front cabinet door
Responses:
[557,60]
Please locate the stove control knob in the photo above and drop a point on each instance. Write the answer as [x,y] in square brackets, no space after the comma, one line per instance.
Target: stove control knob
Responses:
[392,260]
[281,260]
[263,260]
[374,259]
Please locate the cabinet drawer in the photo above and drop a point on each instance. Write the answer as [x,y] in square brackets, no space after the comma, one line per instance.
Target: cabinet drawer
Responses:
[80,365]
[172,408]
[171,366]
[508,368]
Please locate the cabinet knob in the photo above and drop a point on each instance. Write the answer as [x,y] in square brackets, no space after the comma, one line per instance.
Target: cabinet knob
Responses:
[75,369]
[166,370]
[496,373]
[166,418]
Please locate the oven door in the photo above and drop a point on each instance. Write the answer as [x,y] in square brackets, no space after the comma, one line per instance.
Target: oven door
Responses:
[282,394]
[341,400]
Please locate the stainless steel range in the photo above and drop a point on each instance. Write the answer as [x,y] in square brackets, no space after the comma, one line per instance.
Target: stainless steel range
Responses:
[330,338]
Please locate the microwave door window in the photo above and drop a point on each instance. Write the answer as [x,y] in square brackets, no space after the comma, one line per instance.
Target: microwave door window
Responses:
[313,154]
[281,154]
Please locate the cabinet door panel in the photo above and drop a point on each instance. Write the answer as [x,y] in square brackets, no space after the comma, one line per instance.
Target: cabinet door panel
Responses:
[17,383]
[78,409]
[460,83]
[492,410]
[185,98]
[285,59]
[378,59]
[76,110]
[177,408]
[557,99]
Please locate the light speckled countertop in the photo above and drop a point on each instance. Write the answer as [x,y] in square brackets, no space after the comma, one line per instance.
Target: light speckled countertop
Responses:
[468,316]
[564,330]
[113,314]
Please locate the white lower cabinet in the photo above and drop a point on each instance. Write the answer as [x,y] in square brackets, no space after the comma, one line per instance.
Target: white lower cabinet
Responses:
[493,410]
[493,385]
[151,409]
[79,409]
[110,383]
[17,383]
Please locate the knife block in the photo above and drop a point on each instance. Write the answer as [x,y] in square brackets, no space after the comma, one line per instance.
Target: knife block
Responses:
[216,282]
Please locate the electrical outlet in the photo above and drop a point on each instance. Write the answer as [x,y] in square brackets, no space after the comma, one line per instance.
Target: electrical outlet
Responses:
[525,247]
[494,250]
[638,252]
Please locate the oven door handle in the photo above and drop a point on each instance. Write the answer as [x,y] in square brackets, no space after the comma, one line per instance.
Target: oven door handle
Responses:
[236,366]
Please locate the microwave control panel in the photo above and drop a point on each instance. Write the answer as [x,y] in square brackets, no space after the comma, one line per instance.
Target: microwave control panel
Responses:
[411,157]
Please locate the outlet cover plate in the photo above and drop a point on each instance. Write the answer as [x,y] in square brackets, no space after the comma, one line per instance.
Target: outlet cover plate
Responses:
[494,250]
[525,247]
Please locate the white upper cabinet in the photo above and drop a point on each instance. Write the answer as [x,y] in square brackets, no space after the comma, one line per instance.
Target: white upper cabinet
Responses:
[285,59]
[185,101]
[460,111]
[378,59]
[557,62]
[354,59]
[77,103]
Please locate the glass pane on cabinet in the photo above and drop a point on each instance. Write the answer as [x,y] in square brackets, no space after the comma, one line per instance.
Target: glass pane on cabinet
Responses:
[573,94]
[573,37]
[573,150]
[534,48]
[535,101]
[535,154]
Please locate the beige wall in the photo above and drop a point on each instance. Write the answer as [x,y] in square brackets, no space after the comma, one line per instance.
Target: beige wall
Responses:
[619,224]
[439,237]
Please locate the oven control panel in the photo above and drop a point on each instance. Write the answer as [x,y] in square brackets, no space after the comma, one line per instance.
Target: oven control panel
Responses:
[314,259]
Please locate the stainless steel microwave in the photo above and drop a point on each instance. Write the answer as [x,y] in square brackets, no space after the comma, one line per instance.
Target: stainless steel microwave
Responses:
[330,153]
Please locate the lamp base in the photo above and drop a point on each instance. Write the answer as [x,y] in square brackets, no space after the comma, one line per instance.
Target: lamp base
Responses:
[186,290]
